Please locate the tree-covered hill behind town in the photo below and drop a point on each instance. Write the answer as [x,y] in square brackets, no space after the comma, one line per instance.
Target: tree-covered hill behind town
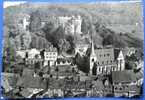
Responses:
[119,25]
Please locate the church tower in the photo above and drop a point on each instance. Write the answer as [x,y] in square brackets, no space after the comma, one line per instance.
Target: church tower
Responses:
[92,58]
[121,61]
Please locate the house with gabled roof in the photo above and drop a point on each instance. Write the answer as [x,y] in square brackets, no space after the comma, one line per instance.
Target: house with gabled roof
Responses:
[50,56]
[30,84]
[125,83]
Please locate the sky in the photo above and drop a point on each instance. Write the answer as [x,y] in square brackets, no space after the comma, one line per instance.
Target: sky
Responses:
[9,3]
[13,3]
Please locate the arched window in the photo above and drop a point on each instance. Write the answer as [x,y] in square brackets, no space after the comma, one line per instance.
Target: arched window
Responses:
[120,61]
[63,61]
[99,69]
[93,60]
[58,62]
[112,68]
[120,88]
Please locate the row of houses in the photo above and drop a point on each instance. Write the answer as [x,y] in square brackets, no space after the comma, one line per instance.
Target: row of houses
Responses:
[48,57]
[120,83]
[104,61]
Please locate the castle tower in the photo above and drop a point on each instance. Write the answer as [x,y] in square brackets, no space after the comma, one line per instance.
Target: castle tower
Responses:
[92,58]
[120,61]
[26,23]
[78,22]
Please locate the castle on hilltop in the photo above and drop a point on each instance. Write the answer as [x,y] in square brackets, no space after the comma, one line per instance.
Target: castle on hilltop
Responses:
[71,25]
[23,21]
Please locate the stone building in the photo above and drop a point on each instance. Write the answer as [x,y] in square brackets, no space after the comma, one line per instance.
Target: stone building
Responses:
[50,56]
[105,60]
[63,61]
[125,83]
[81,48]
[71,25]
[129,51]
[24,21]
[32,53]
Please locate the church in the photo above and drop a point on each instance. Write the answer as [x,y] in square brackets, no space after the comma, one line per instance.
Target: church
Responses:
[105,60]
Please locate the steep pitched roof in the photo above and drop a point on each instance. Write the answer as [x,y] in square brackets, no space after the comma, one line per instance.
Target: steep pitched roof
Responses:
[127,76]
[51,49]
[105,55]
[98,85]
[64,59]
[77,85]
[26,93]
[27,72]
[31,82]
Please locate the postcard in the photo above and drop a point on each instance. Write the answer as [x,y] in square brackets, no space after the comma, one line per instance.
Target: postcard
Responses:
[71,50]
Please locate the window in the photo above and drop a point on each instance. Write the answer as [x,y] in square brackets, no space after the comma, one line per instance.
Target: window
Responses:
[120,61]
[99,69]
[108,54]
[93,60]
[21,22]
[27,27]
[63,62]
[120,88]
[102,62]
[112,68]
[107,62]
[58,62]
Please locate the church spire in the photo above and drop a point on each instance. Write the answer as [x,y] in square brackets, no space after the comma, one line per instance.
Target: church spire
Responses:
[92,57]
[92,47]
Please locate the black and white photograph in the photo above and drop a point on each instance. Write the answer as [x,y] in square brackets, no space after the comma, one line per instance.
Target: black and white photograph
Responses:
[64,50]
